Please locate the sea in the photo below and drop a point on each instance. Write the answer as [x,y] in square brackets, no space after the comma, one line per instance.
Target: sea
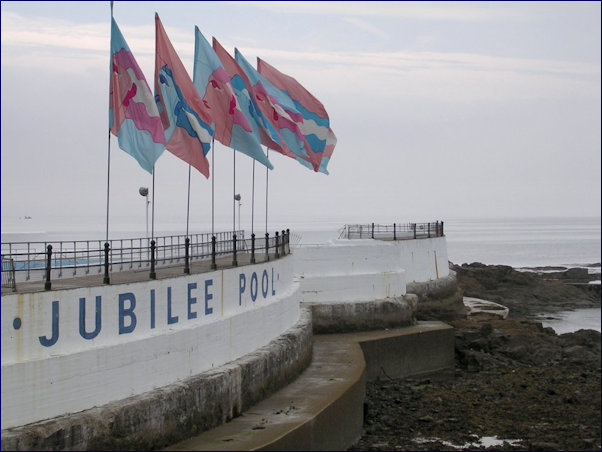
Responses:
[523,243]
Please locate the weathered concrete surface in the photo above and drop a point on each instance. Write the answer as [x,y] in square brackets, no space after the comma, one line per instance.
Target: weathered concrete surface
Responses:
[177,411]
[323,408]
[361,316]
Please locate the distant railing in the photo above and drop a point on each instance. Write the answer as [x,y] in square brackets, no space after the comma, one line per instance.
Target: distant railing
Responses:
[38,261]
[395,231]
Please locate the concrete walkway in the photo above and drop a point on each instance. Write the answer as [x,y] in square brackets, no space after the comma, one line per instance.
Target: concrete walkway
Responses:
[323,408]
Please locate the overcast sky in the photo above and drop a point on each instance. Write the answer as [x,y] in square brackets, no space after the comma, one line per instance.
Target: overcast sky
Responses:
[441,109]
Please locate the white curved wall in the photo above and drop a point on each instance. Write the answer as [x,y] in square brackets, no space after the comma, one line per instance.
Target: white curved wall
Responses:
[423,259]
[349,270]
[175,328]
[366,269]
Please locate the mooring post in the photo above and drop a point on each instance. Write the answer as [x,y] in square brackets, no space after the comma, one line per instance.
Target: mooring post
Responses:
[186,256]
[153,274]
[48,284]
[234,260]
[106,279]
[213,243]
[253,248]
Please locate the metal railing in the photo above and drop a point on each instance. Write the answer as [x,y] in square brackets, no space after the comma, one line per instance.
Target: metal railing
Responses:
[395,231]
[39,261]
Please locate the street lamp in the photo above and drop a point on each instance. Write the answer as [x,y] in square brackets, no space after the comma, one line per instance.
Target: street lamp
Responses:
[144,192]
[237,197]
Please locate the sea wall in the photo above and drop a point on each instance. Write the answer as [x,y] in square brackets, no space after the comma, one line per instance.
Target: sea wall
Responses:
[66,351]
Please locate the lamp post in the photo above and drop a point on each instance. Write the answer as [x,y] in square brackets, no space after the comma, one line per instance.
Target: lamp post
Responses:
[144,192]
[237,197]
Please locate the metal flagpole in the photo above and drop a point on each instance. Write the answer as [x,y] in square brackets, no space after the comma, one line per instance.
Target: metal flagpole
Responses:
[253,199]
[267,172]
[153,211]
[108,181]
[234,194]
[188,204]
[213,186]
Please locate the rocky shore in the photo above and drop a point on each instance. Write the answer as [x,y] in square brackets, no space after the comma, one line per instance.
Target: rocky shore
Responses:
[516,385]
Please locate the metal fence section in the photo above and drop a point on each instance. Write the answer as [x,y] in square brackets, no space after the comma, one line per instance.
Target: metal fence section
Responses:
[38,261]
[8,273]
[395,231]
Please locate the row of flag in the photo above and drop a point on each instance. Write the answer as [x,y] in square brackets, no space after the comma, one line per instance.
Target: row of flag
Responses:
[227,99]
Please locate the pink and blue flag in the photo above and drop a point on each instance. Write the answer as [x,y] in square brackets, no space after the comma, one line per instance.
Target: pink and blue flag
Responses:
[133,114]
[213,84]
[186,119]
[316,123]
[284,115]
[255,114]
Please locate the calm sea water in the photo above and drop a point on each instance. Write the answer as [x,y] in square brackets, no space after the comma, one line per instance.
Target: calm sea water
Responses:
[518,242]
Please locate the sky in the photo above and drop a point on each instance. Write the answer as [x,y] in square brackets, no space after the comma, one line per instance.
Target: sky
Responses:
[441,110]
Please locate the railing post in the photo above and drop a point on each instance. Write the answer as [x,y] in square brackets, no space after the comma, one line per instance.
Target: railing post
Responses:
[106,279]
[153,274]
[414,228]
[394,232]
[288,241]
[283,253]
[234,260]
[48,284]
[372,230]
[442,233]
[186,256]
[267,246]
[253,248]
[429,229]
[213,243]
[277,248]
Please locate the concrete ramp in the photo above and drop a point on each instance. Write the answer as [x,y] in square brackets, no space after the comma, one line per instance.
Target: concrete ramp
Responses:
[323,408]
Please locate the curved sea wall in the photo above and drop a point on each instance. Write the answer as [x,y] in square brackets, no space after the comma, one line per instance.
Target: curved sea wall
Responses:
[66,351]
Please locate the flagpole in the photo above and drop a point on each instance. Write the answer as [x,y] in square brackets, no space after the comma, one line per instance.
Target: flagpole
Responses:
[108,181]
[213,186]
[153,211]
[253,200]
[267,174]
[234,194]
[188,203]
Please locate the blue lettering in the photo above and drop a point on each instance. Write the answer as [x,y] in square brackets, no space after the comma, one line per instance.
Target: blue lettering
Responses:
[208,297]
[254,282]
[152,307]
[49,342]
[191,301]
[264,284]
[82,319]
[170,319]
[127,312]
[242,285]
[273,291]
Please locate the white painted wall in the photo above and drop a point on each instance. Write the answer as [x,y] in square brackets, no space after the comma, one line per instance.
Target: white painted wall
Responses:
[349,270]
[366,269]
[423,259]
[221,316]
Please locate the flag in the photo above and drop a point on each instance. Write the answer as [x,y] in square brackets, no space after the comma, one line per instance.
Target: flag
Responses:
[316,123]
[133,115]
[246,98]
[284,115]
[213,85]
[185,118]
